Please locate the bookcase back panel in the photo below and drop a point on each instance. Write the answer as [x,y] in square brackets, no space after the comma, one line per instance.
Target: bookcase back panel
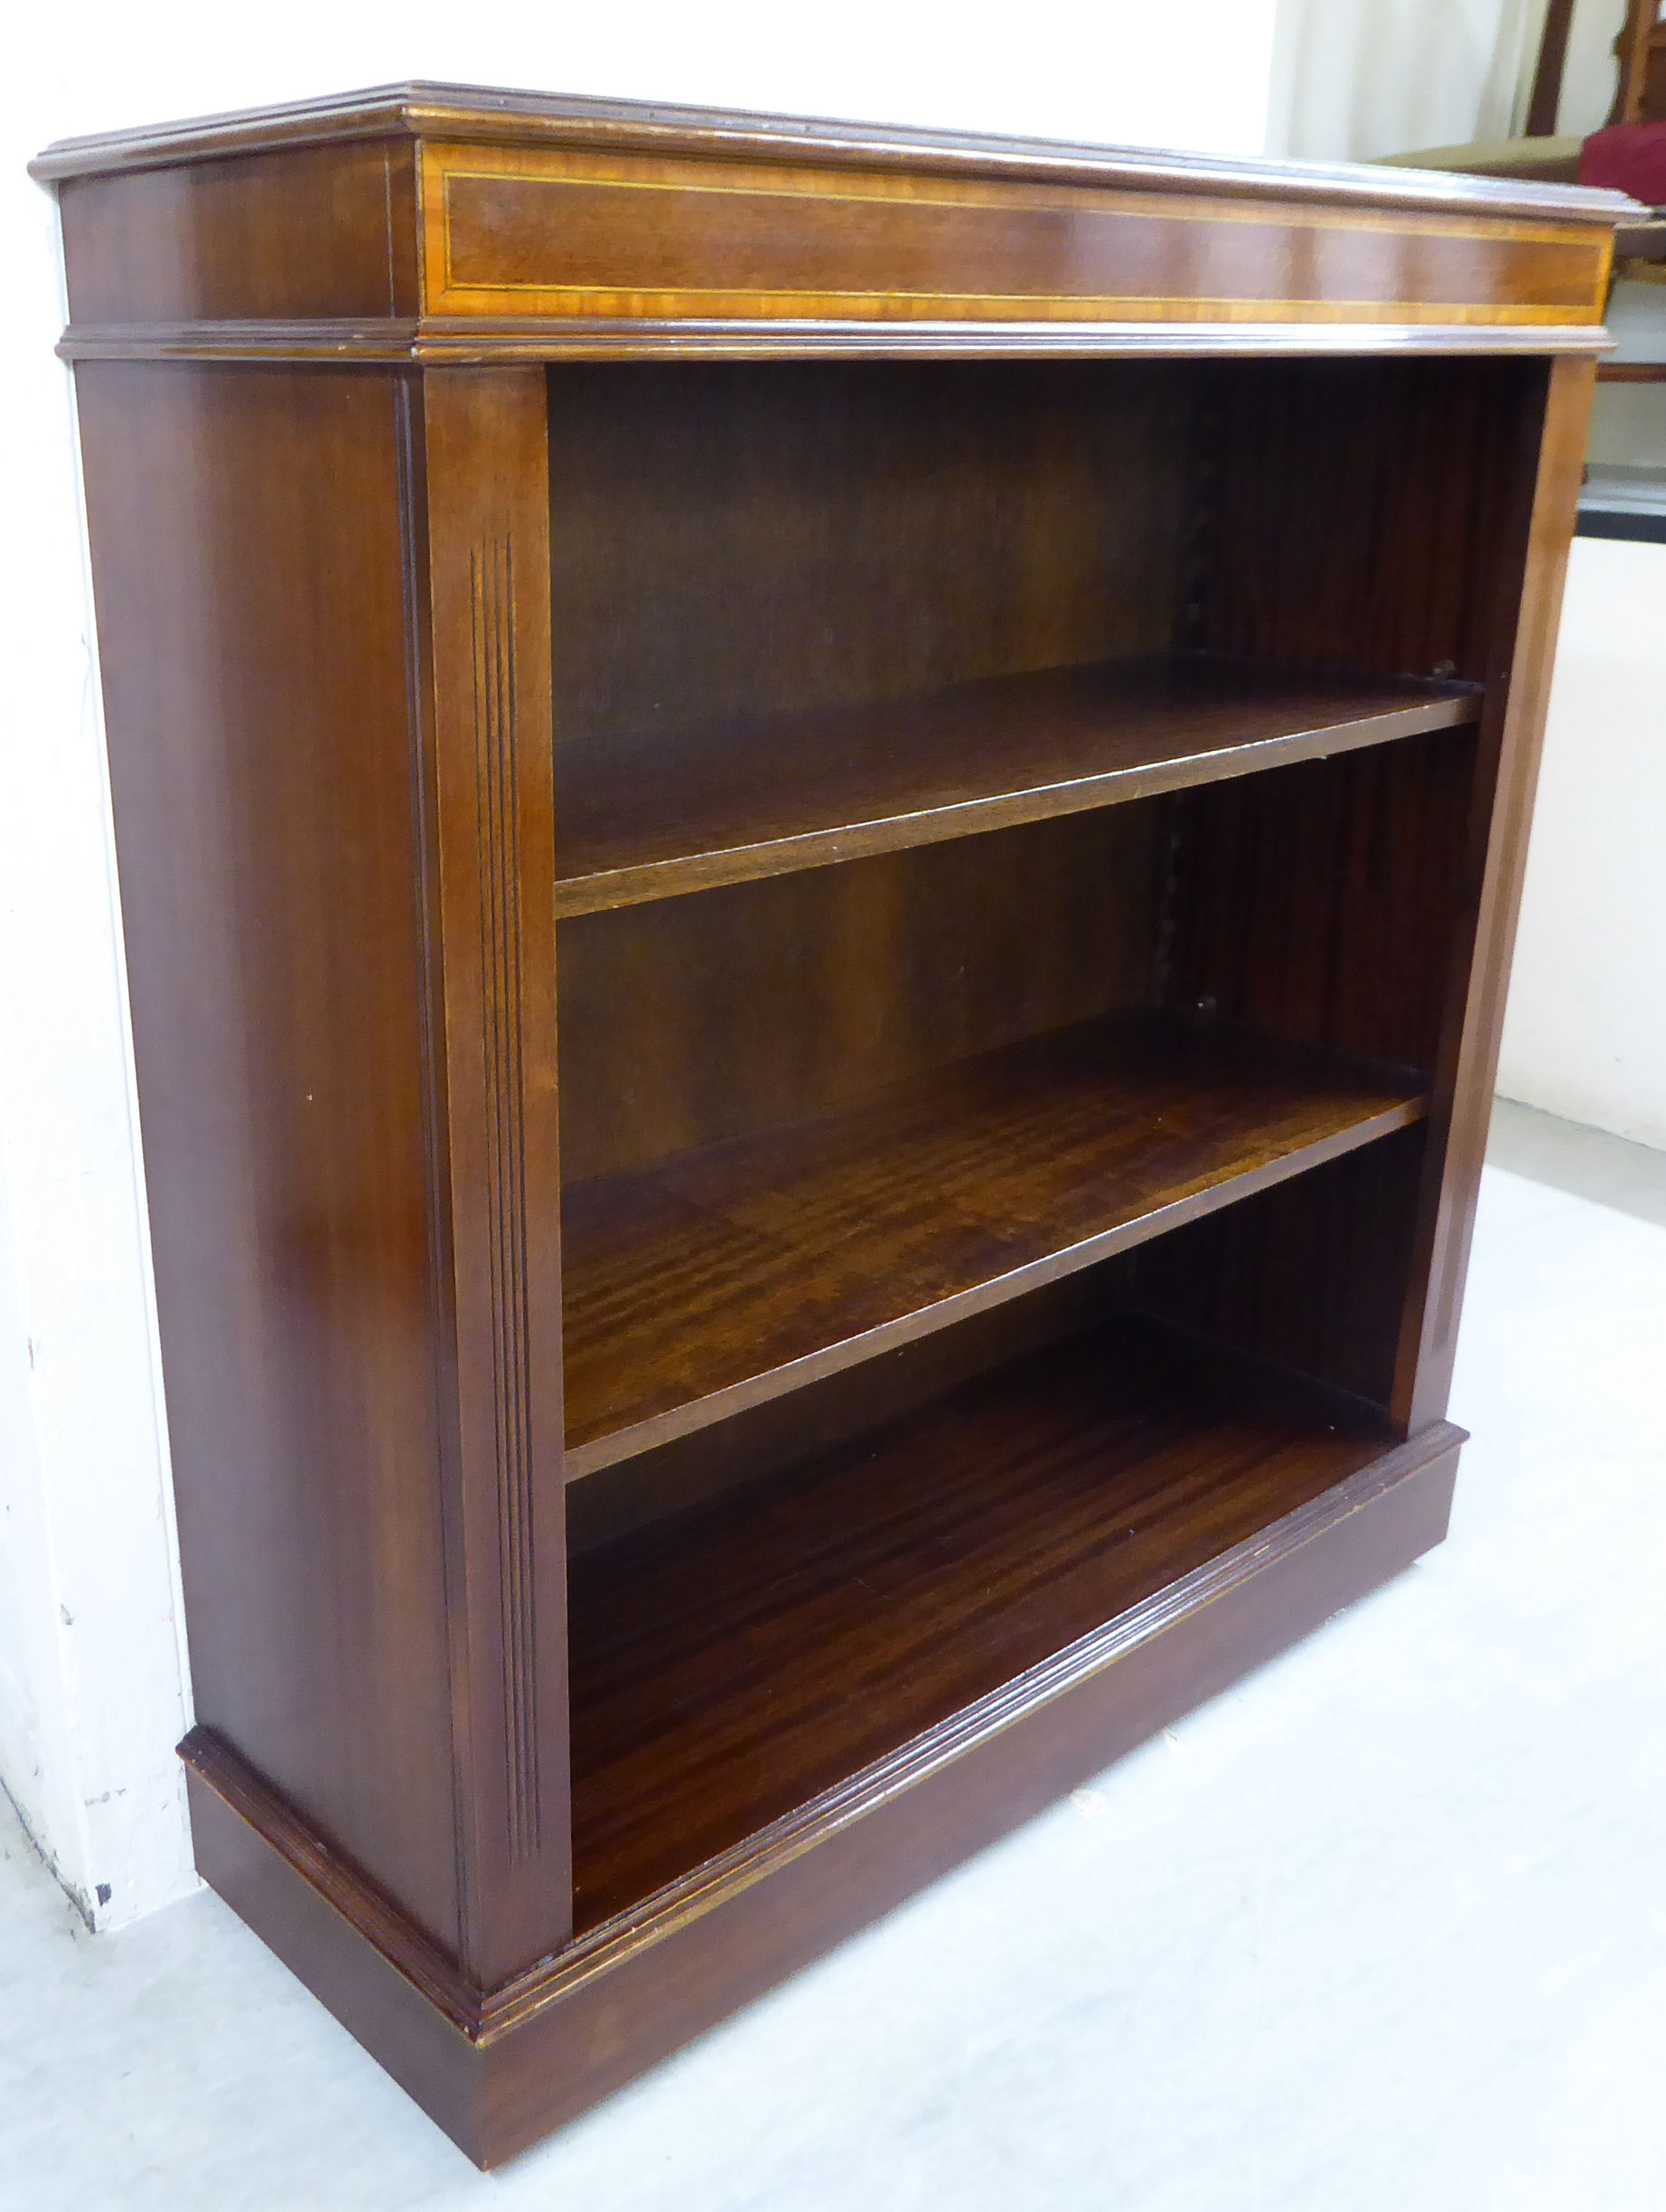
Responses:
[1324,901]
[739,538]
[690,1020]
[1354,512]
[1311,1275]
[770,1439]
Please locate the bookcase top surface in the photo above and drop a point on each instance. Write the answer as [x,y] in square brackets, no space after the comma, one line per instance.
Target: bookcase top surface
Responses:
[482,114]
[442,222]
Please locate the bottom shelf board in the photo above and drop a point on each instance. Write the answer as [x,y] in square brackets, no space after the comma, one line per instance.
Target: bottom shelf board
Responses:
[498,2068]
[736,1663]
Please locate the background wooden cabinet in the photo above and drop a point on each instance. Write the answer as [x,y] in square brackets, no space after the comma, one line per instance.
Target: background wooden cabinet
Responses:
[819,834]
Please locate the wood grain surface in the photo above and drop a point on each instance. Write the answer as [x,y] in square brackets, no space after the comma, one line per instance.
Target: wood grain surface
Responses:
[734,1274]
[1003,1284]
[482,645]
[691,1022]
[1530,567]
[735,540]
[325,233]
[1323,903]
[1279,1277]
[401,221]
[498,2069]
[550,233]
[732,1665]
[483,116]
[272,892]
[762,797]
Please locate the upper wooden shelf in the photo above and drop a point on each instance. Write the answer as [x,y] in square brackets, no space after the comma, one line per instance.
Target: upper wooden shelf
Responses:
[764,797]
[736,1274]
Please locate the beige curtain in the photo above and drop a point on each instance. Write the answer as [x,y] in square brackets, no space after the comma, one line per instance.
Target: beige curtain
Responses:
[1592,73]
[1503,112]
[1356,79]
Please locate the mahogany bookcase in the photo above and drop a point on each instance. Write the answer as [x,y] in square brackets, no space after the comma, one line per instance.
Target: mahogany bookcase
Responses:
[819,832]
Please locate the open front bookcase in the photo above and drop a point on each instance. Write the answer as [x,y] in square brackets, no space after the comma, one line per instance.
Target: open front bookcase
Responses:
[819,833]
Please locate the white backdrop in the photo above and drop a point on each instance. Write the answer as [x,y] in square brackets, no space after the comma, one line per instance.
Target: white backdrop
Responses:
[1586,1032]
[93,1690]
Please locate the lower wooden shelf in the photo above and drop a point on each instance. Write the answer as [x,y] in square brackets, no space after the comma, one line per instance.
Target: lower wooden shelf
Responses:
[986,1602]
[732,1666]
[731,1275]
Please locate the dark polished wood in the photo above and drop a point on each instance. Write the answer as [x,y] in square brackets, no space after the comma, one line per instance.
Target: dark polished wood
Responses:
[203,242]
[681,494]
[1470,473]
[730,1668]
[1279,1276]
[641,338]
[559,232]
[475,115]
[978,757]
[1639,48]
[1320,904]
[482,709]
[749,1446]
[1546,97]
[715,1279]
[1532,566]
[818,830]
[683,1020]
[1353,511]
[415,217]
[499,2072]
[271,882]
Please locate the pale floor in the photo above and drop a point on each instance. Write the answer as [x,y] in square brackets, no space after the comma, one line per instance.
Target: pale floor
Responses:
[1382,1930]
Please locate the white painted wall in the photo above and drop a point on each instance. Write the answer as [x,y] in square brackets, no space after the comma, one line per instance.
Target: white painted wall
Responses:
[1584,1035]
[91,1679]
[93,1690]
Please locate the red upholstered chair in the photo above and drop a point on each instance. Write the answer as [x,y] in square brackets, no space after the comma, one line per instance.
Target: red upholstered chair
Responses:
[1630,153]
[1640,99]
[1630,157]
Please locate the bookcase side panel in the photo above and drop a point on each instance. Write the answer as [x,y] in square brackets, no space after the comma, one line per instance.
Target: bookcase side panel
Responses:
[486,685]
[249,555]
[272,238]
[1309,1275]
[1412,517]
[1377,515]
[1532,564]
